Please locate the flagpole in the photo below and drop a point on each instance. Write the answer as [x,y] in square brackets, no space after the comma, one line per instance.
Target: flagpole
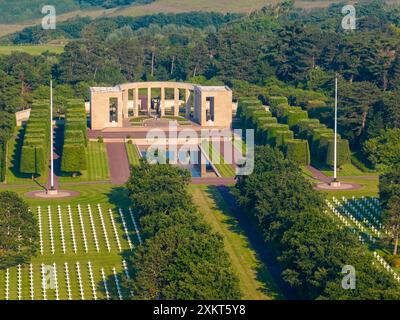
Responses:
[335,138]
[51,137]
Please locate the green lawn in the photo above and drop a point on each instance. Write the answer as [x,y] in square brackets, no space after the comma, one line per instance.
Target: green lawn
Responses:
[13,175]
[369,188]
[347,170]
[32,49]
[255,281]
[110,198]
[97,162]
[133,155]
[226,170]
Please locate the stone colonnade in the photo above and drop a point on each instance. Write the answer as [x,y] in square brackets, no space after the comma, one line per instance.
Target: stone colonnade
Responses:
[135,87]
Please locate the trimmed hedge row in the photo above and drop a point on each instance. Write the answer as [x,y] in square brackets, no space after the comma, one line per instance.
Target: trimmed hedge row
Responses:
[35,147]
[269,131]
[319,136]
[3,152]
[73,159]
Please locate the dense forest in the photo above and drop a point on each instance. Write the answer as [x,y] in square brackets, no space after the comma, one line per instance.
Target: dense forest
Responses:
[276,51]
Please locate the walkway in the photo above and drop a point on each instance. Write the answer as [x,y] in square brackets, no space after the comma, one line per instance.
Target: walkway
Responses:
[118,162]
[318,175]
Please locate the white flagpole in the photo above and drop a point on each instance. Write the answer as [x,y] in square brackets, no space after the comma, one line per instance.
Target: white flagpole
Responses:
[335,138]
[51,136]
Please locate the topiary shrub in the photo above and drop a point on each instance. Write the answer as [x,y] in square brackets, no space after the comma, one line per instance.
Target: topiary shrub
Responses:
[297,151]
[293,117]
[275,101]
[343,153]
[282,136]
[272,128]
[73,158]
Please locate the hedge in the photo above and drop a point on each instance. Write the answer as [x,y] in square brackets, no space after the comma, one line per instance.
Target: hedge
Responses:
[3,153]
[73,158]
[343,153]
[297,151]
[36,146]
[282,136]
[293,117]
[33,159]
[275,101]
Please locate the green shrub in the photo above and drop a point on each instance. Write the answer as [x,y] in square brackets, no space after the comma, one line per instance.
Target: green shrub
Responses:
[297,151]
[282,136]
[3,152]
[315,103]
[33,159]
[272,128]
[303,127]
[73,158]
[275,101]
[343,153]
[293,117]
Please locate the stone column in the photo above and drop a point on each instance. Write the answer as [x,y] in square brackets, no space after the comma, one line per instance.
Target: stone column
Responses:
[187,103]
[125,97]
[203,165]
[162,102]
[149,100]
[135,93]
[176,103]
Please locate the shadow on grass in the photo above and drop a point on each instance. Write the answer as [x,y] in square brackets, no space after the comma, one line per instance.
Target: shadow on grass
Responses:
[268,270]
[16,156]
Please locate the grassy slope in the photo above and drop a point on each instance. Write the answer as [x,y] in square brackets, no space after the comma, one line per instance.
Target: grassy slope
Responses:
[255,280]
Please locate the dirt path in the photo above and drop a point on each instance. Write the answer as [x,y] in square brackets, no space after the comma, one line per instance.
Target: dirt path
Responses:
[257,242]
[118,162]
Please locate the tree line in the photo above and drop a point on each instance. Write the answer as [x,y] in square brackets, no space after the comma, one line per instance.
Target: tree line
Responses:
[180,258]
[311,246]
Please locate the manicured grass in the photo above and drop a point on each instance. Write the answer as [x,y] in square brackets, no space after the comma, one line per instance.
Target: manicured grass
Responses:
[226,170]
[133,155]
[347,170]
[32,49]
[97,162]
[110,198]
[13,175]
[369,188]
[255,281]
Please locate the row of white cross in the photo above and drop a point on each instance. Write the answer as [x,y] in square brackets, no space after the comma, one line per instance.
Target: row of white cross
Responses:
[386,266]
[343,220]
[94,232]
[55,284]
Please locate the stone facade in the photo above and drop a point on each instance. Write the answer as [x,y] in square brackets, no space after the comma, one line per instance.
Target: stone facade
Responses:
[208,105]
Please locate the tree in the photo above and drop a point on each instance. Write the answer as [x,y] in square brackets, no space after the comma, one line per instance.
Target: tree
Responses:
[18,231]
[384,150]
[389,192]
[180,258]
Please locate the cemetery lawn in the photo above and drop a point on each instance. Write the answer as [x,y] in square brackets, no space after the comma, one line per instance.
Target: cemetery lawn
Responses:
[97,162]
[109,197]
[13,175]
[256,282]
[369,188]
[133,155]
